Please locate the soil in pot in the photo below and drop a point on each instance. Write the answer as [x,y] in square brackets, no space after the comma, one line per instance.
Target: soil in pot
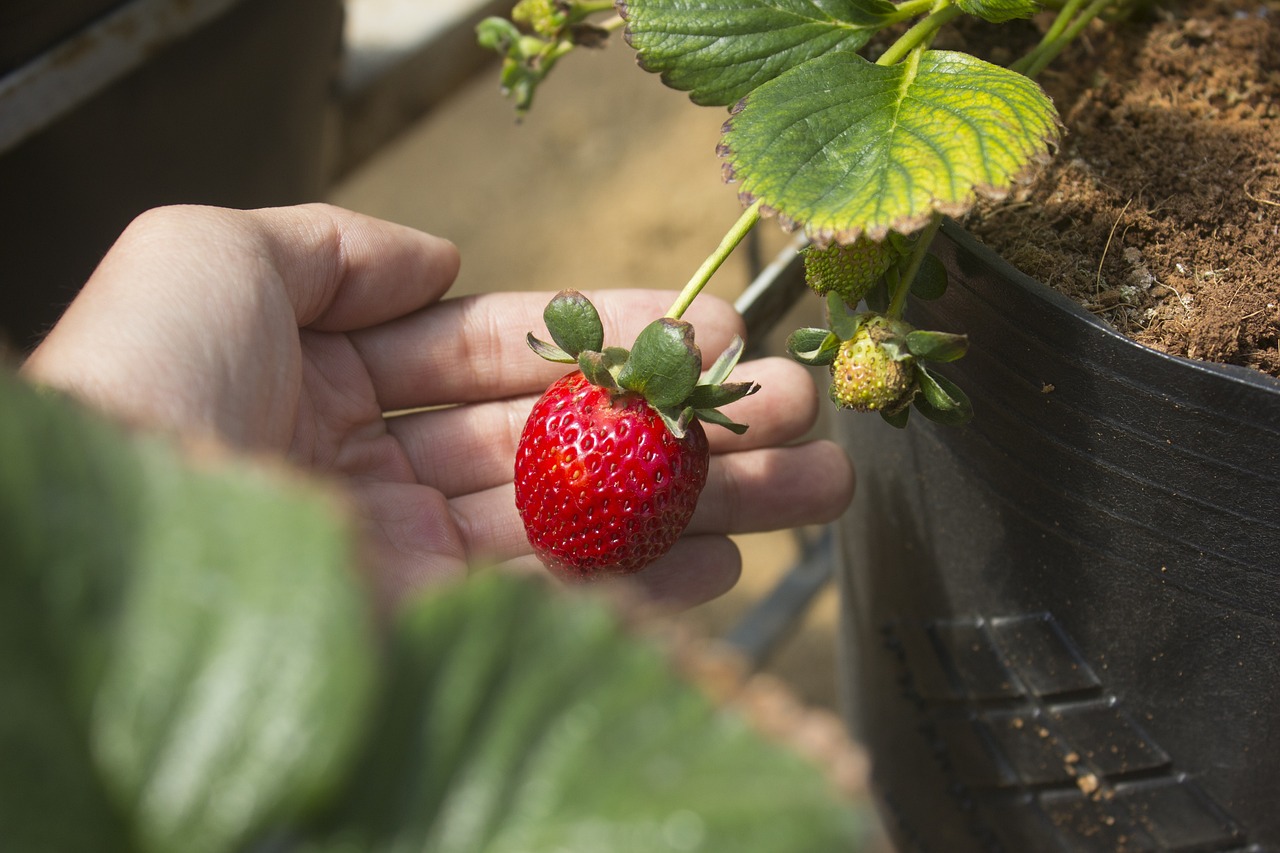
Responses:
[1161,211]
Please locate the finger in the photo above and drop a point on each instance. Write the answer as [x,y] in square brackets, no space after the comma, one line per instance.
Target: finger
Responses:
[463,449]
[489,524]
[409,540]
[473,348]
[343,271]
[774,488]
[467,448]
[696,570]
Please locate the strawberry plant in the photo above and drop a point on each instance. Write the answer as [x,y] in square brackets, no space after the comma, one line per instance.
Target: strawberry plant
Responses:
[864,156]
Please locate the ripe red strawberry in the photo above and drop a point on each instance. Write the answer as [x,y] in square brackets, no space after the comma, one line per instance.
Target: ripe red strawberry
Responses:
[613,457]
[601,483]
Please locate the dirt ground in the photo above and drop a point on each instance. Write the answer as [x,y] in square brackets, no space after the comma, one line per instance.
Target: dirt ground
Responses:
[1161,212]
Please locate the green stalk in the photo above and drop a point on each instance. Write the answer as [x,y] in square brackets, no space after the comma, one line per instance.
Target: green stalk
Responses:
[730,242]
[1064,31]
[920,34]
[911,8]
[583,8]
[898,301]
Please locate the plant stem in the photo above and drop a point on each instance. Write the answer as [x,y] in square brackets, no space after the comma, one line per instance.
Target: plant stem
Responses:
[728,243]
[910,9]
[1063,31]
[921,33]
[612,24]
[583,8]
[898,300]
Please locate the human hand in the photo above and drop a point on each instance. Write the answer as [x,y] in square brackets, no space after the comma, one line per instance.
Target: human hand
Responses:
[294,330]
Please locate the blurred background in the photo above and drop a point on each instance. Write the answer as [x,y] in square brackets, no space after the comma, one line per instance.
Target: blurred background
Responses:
[387,107]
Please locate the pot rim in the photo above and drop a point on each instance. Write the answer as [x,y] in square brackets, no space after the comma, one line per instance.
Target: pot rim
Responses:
[1116,341]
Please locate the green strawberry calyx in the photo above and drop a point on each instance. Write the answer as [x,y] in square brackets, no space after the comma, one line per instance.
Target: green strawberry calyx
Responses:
[664,365]
[932,394]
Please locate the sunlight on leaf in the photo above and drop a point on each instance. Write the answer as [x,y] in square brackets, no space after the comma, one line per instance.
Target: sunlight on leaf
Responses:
[842,147]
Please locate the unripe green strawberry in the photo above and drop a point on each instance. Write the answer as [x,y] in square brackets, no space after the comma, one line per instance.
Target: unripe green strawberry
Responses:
[867,376]
[602,484]
[847,270]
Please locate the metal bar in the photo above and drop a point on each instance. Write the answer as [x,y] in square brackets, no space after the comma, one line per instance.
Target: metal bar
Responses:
[51,85]
[763,628]
[773,292]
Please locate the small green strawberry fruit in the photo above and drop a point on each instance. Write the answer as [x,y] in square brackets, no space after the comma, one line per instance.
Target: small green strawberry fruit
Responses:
[613,456]
[873,371]
[849,271]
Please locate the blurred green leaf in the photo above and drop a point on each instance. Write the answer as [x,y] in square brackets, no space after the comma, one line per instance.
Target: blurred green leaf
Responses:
[721,53]
[843,147]
[998,11]
[522,720]
[185,651]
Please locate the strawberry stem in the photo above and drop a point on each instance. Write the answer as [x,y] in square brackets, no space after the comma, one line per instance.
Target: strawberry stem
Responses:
[1061,33]
[903,286]
[921,33]
[731,239]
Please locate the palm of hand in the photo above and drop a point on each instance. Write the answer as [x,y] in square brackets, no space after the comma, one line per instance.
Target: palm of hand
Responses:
[292,331]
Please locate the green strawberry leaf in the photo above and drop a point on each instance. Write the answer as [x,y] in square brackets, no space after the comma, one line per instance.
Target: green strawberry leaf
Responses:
[724,364]
[664,365]
[574,323]
[676,419]
[940,399]
[896,419]
[720,54]
[715,396]
[843,324]
[715,416]
[519,718]
[185,652]
[877,298]
[843,147]
[998,11]
[595,366]
[814,347]
[937,346]
[931,279]
[550,352]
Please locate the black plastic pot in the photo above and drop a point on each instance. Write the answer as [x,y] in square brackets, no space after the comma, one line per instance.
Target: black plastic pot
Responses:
[1063,620]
